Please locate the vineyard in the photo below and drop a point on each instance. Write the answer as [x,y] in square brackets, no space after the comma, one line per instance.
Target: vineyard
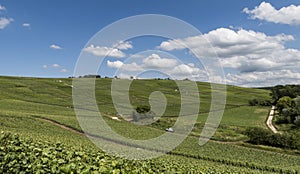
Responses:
[26,156]
[31,143]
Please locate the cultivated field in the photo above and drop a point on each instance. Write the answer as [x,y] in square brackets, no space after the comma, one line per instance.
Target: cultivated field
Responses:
[37,109]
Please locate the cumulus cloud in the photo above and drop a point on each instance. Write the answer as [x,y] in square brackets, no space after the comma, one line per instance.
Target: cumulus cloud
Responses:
[63,70]
[123,45]
[2,8]
[227,43]
[55,47]
[26,25]
[4,22]
[105,51]
[244,52]
[56,65]
[114,51]
[115,64]
[267,78]
[286,15]
[155,62]
[184,71]
[128,67]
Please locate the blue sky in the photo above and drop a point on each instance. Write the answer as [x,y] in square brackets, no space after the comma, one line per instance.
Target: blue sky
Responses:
[45,38]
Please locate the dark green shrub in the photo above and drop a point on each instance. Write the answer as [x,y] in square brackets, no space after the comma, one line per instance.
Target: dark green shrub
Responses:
[142,109]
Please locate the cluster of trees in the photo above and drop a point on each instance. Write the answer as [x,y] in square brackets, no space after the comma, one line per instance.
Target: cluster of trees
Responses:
[280,91]
[289,110]
[287,100]
[88,76]
[257,102]
[142,112]
[262,136]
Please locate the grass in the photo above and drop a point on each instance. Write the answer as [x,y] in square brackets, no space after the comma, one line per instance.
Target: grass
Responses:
[23,100]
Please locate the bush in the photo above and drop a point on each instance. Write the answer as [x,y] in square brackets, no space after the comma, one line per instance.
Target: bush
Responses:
[256,102]
[257,135]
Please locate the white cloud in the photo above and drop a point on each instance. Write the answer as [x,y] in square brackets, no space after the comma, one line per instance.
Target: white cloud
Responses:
[242,51]
[115,64]
[55,47]
[133,67]
[104,51]
[2,8]
[129,67]
[26,25]
[155,61]
[183,71]
[286,15]
[267,78]
[56,65]
[228,43]
[4,22]
[136,56]
[63,70]
[123,45]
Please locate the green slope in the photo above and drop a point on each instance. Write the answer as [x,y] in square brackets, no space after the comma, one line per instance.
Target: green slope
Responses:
[24,100]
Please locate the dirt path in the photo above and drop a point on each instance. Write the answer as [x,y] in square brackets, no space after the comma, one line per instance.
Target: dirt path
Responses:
[270,119]
[60,125]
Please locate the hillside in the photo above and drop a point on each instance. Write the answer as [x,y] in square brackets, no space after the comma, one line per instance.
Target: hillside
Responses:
[30,106]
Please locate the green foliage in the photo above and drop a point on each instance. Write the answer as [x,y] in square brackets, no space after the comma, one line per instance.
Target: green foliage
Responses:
[284,102]
[289,108]
[297,121]
[261,136]
[142,109]
[19,155]
[257,135]
[233,155]
[24,100]
[257,102]
[281,120]
[280,91]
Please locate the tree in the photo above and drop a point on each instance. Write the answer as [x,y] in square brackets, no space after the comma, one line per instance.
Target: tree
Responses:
[297,104]
[284,102]
[288,90]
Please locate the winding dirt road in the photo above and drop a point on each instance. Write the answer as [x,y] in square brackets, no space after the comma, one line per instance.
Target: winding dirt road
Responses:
[269,121]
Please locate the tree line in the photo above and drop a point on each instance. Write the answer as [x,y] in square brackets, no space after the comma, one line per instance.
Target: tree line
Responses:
[287,101]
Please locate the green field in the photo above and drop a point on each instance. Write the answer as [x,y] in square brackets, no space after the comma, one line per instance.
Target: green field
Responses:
[27,105]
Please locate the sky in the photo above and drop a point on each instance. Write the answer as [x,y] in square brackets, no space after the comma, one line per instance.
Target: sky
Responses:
[256,42]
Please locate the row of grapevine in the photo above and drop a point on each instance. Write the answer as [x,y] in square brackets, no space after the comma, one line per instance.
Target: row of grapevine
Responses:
[20,155]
